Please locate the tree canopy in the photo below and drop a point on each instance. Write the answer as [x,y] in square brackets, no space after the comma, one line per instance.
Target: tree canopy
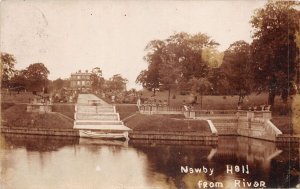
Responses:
[174,61]
[7,68]
[236,66]
[97,79]
[116,84]
[37,76]
[274,48]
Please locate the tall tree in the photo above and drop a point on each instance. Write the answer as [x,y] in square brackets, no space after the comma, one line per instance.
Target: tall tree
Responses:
[200,86]
[58,84]
[97,79]
[7,68]
[188,50]
[169,75]
[116,84]
[18,82]
[37,76]
[219,81]
[236,66]
[181,51]
[150,78]
[274,48]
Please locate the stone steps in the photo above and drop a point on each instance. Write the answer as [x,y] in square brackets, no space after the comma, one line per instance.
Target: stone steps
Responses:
[225,126]
[95,109]
[100,116]
[91,115]
[103,127]
[93,122]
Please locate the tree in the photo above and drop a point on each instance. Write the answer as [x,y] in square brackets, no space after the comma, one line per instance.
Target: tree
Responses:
[150,78]
[199,86]
[274,48]
[58,84]
[220,84]
[116,84]
[7,68]
[18,82]
[97,79]
[236,66]
[37,76]
[168,78]
[175,60]
[188,53]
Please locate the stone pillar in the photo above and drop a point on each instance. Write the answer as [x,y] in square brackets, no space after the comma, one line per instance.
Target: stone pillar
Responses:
[186,114]
[267,115]
[192,114]
[153,109]
[250,115]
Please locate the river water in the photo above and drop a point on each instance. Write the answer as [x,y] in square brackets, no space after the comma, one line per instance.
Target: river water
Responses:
[35,162]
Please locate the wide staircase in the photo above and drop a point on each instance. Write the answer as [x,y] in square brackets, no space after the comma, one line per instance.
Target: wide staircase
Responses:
[93,114]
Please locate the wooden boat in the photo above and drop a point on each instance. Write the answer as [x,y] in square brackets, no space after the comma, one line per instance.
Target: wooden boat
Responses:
[103,134]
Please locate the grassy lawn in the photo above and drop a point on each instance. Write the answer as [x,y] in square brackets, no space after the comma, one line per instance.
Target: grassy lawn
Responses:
[285,117]
[126,110]
[14,97]
[283,123]
[16,116]
[66,109]
[163,123]
[6,105]
[218,102]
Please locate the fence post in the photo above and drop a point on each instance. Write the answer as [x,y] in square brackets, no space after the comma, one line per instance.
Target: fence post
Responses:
[192,114]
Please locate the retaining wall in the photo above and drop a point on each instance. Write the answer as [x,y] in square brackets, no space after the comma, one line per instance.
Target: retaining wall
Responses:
[188,136]
[253,124]
[226,126]
[40,131]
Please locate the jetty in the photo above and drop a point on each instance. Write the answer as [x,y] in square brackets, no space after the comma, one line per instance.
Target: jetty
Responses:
[94,118]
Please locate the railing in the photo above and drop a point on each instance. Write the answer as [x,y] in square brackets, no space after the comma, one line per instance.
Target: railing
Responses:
[159,107]
[203,113]
[249,115]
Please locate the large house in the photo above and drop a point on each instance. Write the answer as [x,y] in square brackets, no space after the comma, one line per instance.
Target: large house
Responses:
[81,80]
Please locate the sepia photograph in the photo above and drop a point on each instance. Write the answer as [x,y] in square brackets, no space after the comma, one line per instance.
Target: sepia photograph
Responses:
[170,94]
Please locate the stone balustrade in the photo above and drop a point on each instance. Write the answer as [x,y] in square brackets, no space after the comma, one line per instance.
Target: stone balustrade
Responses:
[39,107]
[254,124]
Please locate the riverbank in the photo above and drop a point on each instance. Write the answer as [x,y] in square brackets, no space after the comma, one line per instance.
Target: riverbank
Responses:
[169,127]
[15,119]
[17,116]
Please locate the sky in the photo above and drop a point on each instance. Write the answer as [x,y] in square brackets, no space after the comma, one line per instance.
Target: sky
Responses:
[72,35]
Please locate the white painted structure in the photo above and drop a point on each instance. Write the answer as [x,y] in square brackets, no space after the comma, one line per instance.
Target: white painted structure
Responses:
[95,118]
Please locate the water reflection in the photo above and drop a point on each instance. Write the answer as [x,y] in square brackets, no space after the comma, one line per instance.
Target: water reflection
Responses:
[48,162]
